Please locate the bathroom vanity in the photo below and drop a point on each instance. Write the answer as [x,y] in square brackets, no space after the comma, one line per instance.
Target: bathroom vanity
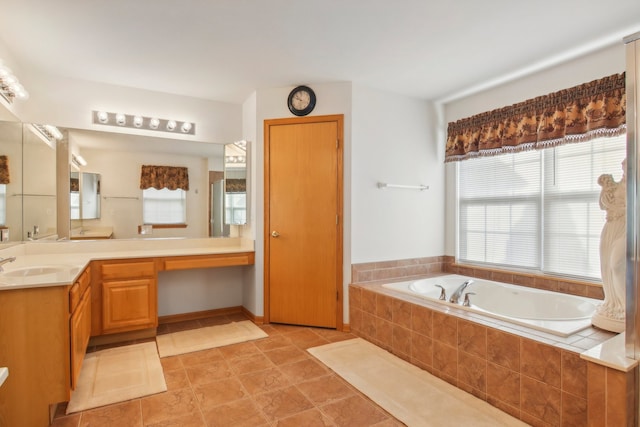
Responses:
[53,303]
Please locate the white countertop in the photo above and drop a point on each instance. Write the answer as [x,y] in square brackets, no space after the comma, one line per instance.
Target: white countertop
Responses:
[611,353]
[74,256]
[4,373]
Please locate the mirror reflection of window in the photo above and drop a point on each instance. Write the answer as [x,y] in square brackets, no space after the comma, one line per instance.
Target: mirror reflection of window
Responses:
[236,208]
[164,206]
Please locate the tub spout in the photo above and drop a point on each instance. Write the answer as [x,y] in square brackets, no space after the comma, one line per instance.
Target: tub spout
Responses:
[455,297]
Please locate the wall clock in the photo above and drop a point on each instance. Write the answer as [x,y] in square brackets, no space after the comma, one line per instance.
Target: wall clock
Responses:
[301,101]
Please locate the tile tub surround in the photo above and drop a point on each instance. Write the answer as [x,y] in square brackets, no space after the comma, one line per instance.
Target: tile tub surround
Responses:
[534,376]
[407,269]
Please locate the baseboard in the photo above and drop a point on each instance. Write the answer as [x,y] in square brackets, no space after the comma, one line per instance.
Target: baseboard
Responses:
[122,337]
[195,315]
[258,320]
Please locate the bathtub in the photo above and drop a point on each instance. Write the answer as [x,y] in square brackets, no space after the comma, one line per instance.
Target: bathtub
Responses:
[552,312]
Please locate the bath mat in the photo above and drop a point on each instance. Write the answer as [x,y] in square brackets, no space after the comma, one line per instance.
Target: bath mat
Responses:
[410,394]
[116,375]
[209,337]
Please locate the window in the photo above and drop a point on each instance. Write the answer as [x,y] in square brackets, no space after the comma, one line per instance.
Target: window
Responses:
[164,206]
[537,210]
[235,207]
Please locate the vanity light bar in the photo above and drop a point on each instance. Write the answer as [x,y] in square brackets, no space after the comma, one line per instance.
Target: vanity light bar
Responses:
[78,160]
[141,122]
[235,159]
[10,87]
[48,133]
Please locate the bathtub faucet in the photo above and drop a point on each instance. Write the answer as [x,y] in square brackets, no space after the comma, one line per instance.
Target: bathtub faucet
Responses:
[455,298]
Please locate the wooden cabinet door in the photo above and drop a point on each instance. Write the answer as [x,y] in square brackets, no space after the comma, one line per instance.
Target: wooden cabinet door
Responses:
[80,330]
[128,305]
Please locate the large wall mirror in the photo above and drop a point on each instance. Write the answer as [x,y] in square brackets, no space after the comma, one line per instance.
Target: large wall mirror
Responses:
[11,181]
[28,202]
[103,196]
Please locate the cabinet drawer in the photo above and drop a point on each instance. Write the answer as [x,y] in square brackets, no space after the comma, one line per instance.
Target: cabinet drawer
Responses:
[227,260]
[78,289]
[84,280]
[74,296]
[128,270]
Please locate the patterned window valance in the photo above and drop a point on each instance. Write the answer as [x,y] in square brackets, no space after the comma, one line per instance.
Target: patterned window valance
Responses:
[5,178]
[235,185]
[160,177]
[577,114]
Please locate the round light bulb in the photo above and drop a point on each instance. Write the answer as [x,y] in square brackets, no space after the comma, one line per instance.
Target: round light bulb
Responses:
[171,125]
[137,121]
[186,127]
[22,94]
[4,71]
[121,119]
[102,116]
[9,79]
[154,123]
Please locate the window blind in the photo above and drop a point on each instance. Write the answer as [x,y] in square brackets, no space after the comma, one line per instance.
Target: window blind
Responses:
[537,210]
[164,206]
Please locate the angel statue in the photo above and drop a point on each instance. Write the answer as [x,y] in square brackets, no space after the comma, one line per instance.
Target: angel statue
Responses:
[610,315]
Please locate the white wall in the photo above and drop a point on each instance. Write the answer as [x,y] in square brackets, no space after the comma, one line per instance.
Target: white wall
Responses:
[590,67]
[394,141]
[252,288]
[202,289]
[386,137]
[332,98]
[7,111]
[69,102]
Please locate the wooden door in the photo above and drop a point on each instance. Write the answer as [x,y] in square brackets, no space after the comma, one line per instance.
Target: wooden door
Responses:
[303,221]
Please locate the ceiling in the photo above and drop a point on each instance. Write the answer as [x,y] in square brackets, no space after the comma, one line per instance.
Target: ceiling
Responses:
[225,49]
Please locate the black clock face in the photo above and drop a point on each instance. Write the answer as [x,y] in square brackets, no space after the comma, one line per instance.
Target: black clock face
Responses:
[301,101]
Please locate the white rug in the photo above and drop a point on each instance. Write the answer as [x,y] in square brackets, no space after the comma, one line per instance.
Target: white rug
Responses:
[410,394]
[209,337]
[116,375]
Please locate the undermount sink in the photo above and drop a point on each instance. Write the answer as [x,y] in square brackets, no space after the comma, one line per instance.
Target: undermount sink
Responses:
[33,271]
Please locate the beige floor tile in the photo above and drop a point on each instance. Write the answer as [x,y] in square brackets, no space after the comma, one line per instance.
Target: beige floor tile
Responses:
[326,389]
[282,403]
[191,420]
[219,392]
[263,383]
[354,411]
[240,413]
[121,414]
[168,405]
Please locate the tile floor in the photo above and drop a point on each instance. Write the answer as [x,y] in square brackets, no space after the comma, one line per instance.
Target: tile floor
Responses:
[267,382]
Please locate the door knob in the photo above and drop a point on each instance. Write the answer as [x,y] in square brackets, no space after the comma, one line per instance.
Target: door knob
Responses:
[274,233]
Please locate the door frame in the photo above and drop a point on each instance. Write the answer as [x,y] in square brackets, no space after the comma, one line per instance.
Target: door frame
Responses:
[339,119]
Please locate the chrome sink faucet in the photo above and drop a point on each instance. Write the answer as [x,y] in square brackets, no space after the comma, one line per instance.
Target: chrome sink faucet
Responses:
[3,261]
[455,297]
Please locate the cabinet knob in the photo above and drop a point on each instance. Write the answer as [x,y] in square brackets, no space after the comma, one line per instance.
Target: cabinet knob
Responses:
[274,233]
